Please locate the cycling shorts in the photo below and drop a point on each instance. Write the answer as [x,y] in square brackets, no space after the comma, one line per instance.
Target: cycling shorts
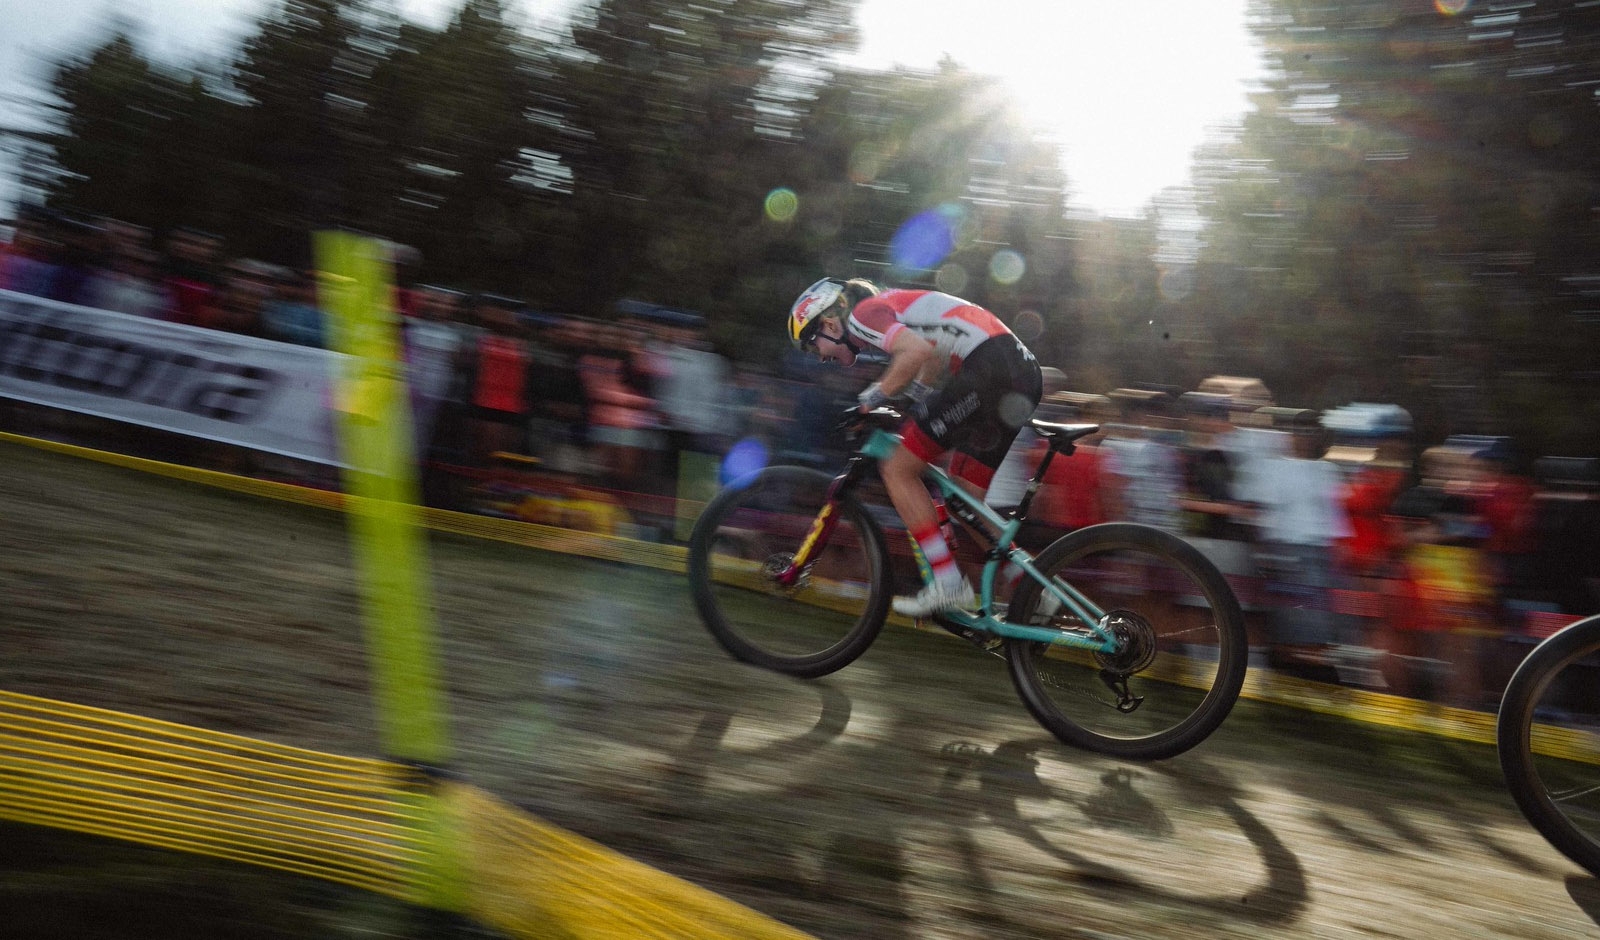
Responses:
[979,411]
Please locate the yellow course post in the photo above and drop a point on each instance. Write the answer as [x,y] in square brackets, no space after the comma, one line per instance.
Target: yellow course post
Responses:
[374,424]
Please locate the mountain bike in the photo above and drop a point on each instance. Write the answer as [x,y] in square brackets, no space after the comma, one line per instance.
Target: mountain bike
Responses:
[1548,736]
[1120,638]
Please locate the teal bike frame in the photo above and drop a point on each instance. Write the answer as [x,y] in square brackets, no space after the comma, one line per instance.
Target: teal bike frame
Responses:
[1002,548]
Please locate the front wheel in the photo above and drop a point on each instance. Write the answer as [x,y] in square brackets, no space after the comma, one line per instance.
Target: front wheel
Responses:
[1548,736]
[749,534]
[1182,644]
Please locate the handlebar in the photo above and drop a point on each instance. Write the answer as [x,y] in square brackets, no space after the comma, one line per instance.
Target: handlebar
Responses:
[853,420]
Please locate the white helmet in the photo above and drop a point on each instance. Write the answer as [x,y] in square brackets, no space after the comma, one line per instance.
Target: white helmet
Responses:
[805,317]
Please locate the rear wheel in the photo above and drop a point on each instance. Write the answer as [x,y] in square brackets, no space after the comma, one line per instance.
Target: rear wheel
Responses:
[749,534]
[1548,736]
[1183,646]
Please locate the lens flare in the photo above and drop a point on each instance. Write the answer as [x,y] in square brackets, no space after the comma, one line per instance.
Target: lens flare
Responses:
[1029,326]
[1007,267]
[1451,7]
[952,278]
[744,458]
[1015,410]
[782,204]
[926,238]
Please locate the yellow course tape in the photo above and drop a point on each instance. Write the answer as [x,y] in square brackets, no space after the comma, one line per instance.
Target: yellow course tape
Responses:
[529,877]
[345,820]
[104,773]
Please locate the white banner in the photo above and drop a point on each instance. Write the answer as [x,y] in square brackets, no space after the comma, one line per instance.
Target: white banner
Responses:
[256,393]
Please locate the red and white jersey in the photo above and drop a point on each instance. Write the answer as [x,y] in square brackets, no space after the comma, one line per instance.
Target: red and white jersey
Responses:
[955,326]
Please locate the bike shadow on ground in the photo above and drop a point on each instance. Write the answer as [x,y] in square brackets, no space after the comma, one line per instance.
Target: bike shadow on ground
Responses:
[1585,892]
[687,783]
[846,869]
[1006,777]
[822,847]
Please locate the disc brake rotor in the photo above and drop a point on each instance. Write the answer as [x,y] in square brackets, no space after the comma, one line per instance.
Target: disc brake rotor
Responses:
[776,565]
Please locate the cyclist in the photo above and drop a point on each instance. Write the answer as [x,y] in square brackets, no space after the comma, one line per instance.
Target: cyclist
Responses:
[974,382]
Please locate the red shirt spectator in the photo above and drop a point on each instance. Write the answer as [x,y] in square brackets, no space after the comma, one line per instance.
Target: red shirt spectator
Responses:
[1069,497]
[502,374]
[1374,538]
[1506,506]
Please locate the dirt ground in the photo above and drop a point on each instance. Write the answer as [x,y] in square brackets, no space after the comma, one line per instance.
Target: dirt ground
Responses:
[908,796]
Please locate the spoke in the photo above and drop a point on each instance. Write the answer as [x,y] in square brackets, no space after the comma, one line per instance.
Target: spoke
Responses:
[1207,627]
[1574,794]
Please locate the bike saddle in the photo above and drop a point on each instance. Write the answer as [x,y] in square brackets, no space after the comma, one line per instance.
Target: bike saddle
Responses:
[1062,433]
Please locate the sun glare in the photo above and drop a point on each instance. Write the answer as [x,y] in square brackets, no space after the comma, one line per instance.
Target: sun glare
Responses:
[1127,88]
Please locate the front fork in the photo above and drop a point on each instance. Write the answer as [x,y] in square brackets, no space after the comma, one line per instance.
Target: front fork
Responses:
[823,525]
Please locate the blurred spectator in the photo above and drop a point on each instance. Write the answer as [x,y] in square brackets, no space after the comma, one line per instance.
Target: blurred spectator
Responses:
[1567,529]
[751,413]
[290,313]
[1449,616]
[1144,471]
[404,261]
[1456,588]
[123,236]
[130,284]
[236,305]
[1299,517]
[1211,509]
[1253,441]
[30,265]
[692,385]
[1504,500]
[436,346]
[622,417]
[80,257]
[499,365]
[560,404]
[803,408]
[1215,466]
[1372,549]
[193,274]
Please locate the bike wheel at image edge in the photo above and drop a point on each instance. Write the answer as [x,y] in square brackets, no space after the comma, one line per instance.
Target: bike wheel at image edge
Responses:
[1548,737]
[1184,646]
[748,534]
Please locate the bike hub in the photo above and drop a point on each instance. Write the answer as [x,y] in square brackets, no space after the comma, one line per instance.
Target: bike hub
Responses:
[1136,642]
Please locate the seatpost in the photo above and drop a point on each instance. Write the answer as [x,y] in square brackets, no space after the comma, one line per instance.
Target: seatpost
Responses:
[1021,510]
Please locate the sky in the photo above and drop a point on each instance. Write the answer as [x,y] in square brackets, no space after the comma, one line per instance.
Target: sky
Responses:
[1127,87]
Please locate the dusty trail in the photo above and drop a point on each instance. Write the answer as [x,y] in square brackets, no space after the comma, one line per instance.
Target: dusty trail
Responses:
[908,796]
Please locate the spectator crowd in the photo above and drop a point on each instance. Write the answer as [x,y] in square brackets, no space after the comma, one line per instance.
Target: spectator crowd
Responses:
[1360,554]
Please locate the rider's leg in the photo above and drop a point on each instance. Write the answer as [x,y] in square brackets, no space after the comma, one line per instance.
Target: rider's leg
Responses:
[902,477]
[974,476]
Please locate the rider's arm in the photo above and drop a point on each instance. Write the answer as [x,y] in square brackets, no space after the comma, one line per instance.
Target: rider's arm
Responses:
[910,357]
